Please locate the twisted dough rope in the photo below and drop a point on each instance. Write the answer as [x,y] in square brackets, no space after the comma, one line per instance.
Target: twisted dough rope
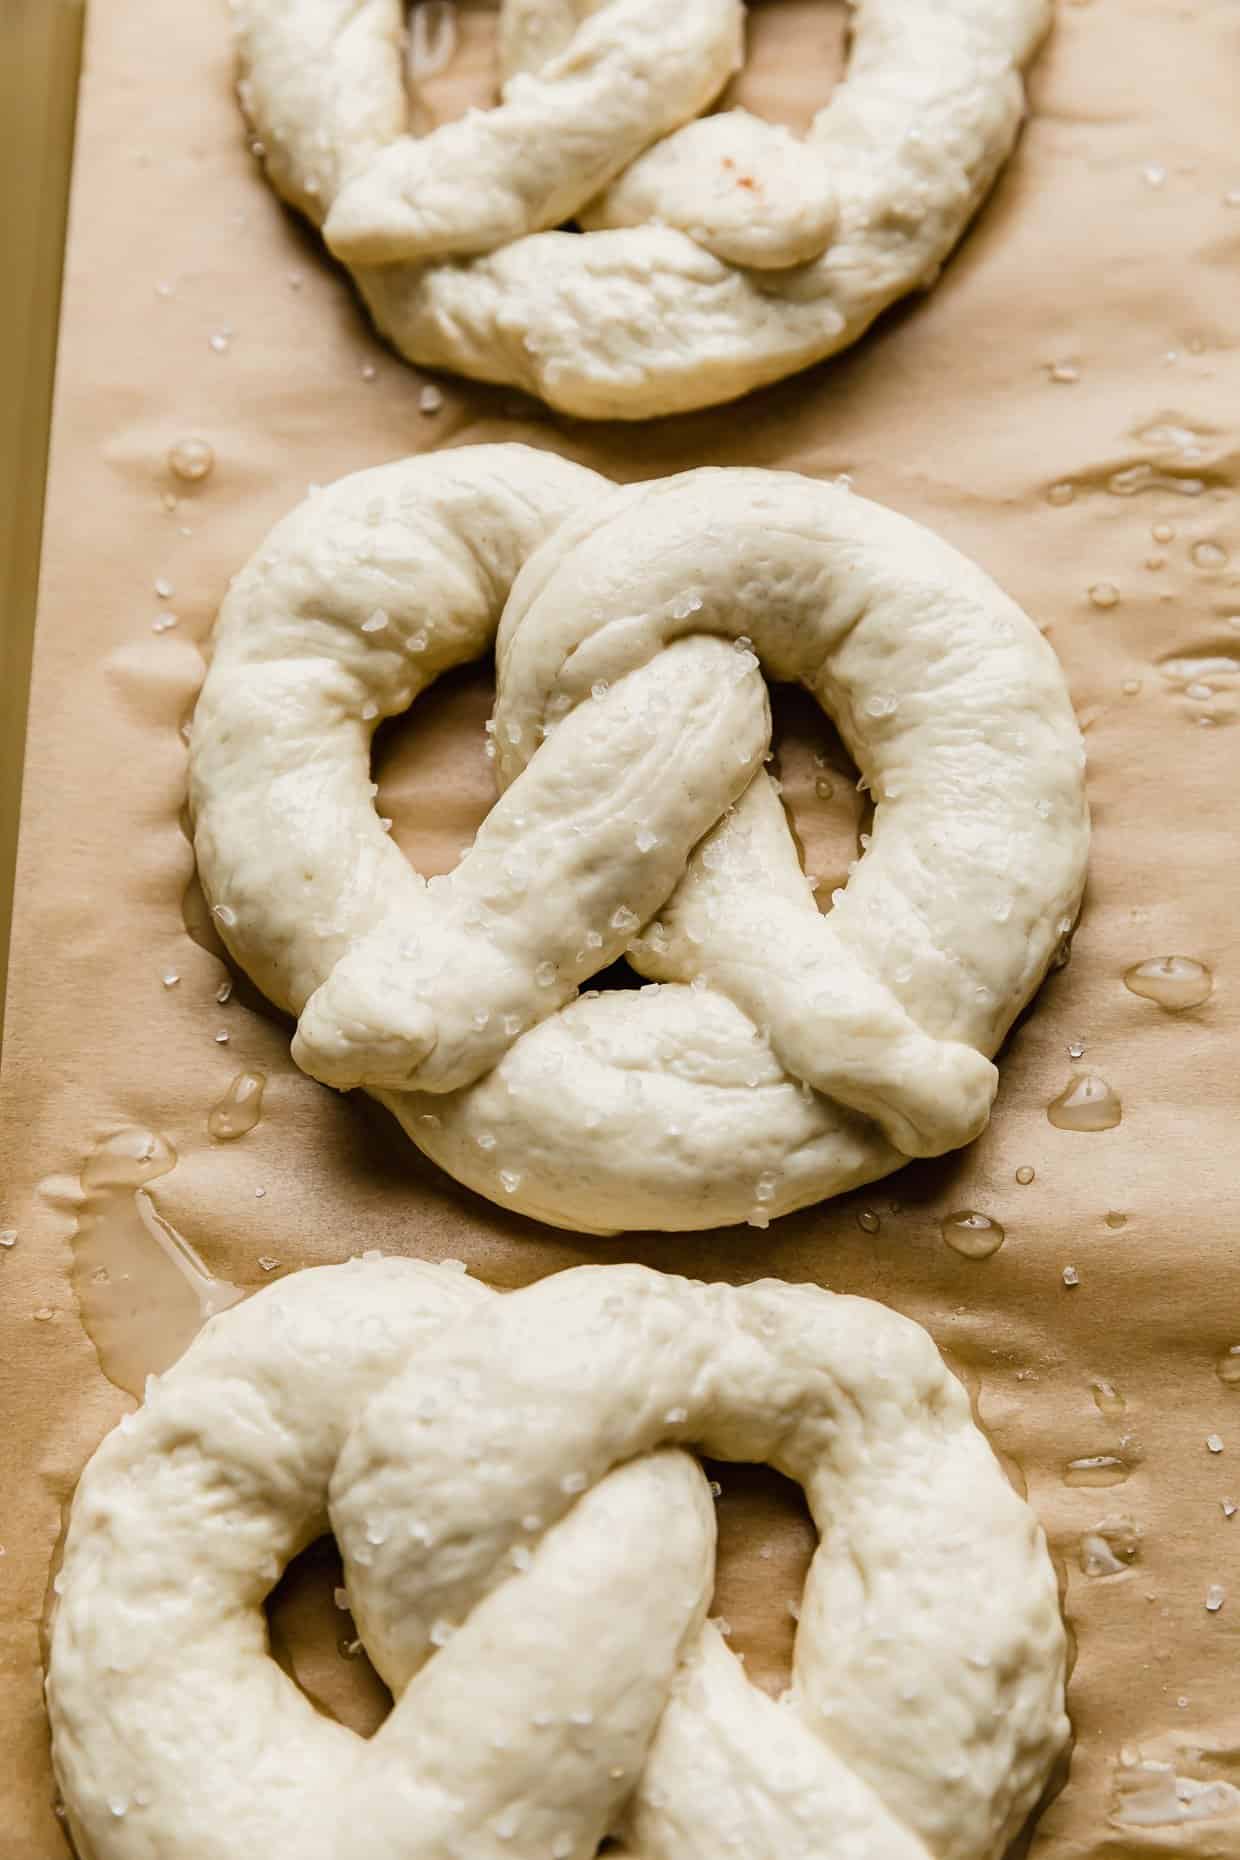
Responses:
[727,255]
[793,1055]
[507,1482]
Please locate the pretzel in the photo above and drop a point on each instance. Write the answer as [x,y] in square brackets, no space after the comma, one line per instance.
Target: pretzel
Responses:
[508,1481]
[787,1055]
[720,254]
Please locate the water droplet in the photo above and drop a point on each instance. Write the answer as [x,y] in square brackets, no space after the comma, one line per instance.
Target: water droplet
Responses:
[1114,1218]
[430,400]
[1061,493]
[1173,982]
[1076,1049]
[823,788]
[190,459]
[221,342]
[1143,476]
[1154,174]
[1071,1276]
[1104,594]
[1086,1103]
[432,41]
[1096,1469]
[1228,1366]
[8,1236]
[974,1235]
[222,1037]
[239,1109]
[867,1220]
[1110,1549]
[1131,687]
[44,1314]
[1064,372]
[1214,1443]
[1209,555]
[1214,1598]
[1024,1175]
[509,1181]
[170,978]
[268,1262]
[142,1291]
[1107,1399]
[369,371]
[1228,1506]
[1232,197]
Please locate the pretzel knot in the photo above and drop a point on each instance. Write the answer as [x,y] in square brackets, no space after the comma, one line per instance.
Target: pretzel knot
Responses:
[786,1055]
[509,1486]
[719,254]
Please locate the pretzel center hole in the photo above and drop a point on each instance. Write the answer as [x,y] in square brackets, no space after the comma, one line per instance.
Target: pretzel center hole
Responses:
[794,56]
[437,786]
[766,1540]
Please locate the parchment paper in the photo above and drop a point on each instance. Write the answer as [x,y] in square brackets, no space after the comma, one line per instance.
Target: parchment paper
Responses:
[1109,254]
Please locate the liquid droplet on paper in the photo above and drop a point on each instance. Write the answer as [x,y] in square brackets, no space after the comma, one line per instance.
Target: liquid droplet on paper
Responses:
[1087,1103]
[239,1109]
[142,1291]
[1173,982]
[190,460]
[1228,1366]
[1024,1175]
[1110,1549]
[432,38]
[1209,555]
[1107,1399]
[974,1235]
[1150,1794]
[1096,1469]
[1104,594]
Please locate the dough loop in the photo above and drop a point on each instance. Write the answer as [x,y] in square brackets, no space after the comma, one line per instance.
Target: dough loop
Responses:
[529,1555]
[720,253]
[787,1055]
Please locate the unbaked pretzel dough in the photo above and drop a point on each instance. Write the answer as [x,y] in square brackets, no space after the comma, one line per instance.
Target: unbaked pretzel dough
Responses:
[788,1055]
[508,1484]
[725,255]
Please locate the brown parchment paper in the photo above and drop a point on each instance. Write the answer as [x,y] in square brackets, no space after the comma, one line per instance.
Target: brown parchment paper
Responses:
[1109,254]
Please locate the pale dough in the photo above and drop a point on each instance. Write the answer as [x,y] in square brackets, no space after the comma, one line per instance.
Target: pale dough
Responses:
[508,1484]
[726,255]
[788,1055]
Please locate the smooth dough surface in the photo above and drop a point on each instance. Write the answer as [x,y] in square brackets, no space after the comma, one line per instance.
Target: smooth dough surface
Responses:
[783,1055]
[719,256]
[529,1554]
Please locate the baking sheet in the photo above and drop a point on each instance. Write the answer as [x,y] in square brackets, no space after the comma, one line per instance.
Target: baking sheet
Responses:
[1084,335]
